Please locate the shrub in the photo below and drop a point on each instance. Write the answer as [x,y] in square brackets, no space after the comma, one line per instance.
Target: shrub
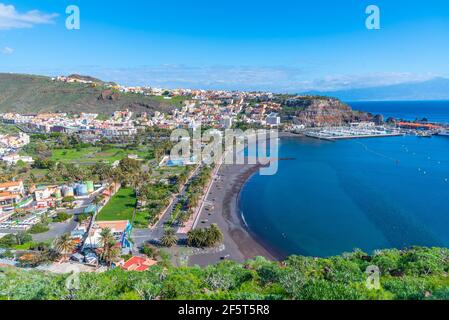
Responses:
[61,217]
[39,228]
[149,250]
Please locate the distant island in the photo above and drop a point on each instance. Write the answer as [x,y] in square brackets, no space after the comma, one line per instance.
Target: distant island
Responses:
[434,89]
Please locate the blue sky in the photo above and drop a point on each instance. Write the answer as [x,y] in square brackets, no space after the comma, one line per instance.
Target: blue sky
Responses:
[278,45]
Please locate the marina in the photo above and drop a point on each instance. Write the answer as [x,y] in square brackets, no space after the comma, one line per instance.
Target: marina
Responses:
[354,131]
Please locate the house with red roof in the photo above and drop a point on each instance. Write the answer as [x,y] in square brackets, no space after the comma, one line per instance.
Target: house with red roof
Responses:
[138,264]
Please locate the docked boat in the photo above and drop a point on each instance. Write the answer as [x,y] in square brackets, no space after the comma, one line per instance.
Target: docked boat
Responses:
[424,134]
[444,133]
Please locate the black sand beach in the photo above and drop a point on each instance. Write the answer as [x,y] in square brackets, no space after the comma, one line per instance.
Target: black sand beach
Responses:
[222,209]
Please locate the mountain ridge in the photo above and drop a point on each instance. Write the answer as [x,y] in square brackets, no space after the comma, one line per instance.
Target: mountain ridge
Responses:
[23,93]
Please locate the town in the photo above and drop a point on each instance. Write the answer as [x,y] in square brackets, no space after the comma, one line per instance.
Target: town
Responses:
[85,191]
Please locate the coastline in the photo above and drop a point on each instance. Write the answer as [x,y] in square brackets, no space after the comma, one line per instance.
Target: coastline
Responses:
[240,243]
[256,244]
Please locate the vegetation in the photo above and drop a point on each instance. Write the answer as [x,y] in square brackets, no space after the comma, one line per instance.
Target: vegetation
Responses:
[39,228]
[416,273]
[11,240]
[120,207]
[205,238]
[64,245]
[65,159]
[31,94]
[61,217]
[185,208]
[83,217]
[109,250]
[169,238]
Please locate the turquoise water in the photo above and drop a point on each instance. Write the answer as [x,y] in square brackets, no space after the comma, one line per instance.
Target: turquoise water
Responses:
[368,194]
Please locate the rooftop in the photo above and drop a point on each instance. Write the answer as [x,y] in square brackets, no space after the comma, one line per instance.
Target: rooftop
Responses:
[138,264]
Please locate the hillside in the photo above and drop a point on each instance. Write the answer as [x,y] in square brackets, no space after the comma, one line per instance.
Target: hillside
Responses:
[33,94]
[411,274]
[318,111]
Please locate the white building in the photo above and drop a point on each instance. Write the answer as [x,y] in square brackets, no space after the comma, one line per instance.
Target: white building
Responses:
[273,119]
[15,158]
[226,122]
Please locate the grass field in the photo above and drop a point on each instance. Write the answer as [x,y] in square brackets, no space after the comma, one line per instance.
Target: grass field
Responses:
[175,101]
[120,207]
[92,155]
[166,172]
[8,129]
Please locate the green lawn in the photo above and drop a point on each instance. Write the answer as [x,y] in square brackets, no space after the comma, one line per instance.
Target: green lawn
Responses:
[25,246]
[120,207]
[165,172]
[174,101]
[92,155]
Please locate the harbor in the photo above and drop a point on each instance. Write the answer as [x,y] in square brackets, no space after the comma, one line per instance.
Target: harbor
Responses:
[353,131]
[370,130]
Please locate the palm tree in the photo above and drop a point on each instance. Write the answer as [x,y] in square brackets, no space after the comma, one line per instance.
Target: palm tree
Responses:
[196,238]
[96,201]
[208,237]
[215,235]
[106,235]
[169,238]
[136,184]
[45,219]
[64,245]
[110,251]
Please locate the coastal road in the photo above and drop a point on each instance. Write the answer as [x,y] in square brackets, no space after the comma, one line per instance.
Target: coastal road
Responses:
[221,208]
[141,236]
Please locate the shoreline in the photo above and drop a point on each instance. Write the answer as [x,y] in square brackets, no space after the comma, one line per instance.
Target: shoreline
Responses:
[240,242]
[272,254]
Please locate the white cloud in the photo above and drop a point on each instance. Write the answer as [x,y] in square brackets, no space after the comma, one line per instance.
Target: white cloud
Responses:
[264,78]
[10,18]
[273,78]
[7,50]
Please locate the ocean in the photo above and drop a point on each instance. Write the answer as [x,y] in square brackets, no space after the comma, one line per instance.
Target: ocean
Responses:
[333,197]
[435,111]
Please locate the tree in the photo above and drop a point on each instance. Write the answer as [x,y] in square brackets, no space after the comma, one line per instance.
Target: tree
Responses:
[150,251]
[215,234]
[110,251]
[97,201]
[207,237]
[23,237]
[64,245]
[169,238]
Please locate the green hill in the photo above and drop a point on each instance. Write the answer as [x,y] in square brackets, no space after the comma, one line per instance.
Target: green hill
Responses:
[33,94]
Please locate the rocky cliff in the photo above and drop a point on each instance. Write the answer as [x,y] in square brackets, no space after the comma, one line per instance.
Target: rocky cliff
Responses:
[322,111]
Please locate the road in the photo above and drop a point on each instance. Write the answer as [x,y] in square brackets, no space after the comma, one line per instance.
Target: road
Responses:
[141,236]
[56,230]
